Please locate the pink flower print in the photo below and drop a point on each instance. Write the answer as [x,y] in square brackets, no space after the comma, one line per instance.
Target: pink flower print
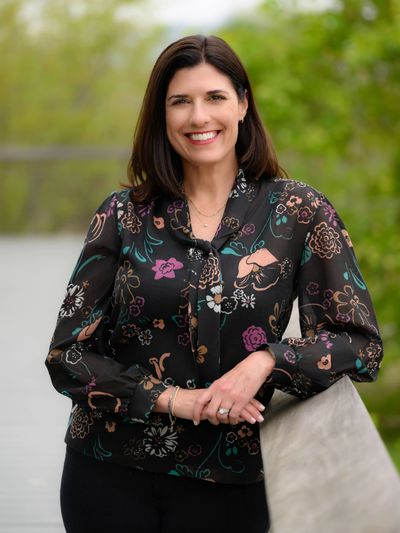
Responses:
[178,204]
[111,207]
[165,268]
[325,339]
[253,338]
[248,229]
[312,288]
[194,449]
[330,213]
[144,209]
[290,356]
[304,215]
[136,306]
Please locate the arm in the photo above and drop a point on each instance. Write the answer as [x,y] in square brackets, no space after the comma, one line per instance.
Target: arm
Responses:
[339,330]
[80,361]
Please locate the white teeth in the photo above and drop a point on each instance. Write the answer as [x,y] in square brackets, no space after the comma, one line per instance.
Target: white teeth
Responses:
[202,136]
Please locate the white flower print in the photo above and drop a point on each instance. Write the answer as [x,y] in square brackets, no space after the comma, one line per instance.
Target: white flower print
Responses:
[74,353]
[248,300]
[214,302]
[238,294]
[145,337]
[160,440]
[73,300]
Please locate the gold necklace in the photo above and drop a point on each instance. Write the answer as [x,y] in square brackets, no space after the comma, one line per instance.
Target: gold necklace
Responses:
[205,214]
[204,224]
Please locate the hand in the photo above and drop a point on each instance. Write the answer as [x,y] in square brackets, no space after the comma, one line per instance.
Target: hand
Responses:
[234,390]
[186,399]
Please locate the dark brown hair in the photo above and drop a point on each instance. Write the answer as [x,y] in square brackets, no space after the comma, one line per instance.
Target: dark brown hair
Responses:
[154,167]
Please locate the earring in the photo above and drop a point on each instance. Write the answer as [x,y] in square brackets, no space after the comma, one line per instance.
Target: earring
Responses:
[241,120]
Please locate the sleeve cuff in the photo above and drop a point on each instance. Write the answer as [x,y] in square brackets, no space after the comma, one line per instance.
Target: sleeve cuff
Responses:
[285,364]
[142,401]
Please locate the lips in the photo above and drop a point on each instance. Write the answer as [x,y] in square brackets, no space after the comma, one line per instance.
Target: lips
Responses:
[202,137]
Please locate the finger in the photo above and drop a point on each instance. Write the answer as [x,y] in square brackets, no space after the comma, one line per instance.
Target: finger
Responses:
[223,417]
[254,412]
[212,409]
[258,405]
[246,416]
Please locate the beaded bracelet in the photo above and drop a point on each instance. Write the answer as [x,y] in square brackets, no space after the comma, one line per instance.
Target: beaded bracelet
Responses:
[171,405]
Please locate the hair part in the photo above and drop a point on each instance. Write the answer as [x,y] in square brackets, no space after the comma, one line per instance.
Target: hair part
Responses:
[154,167]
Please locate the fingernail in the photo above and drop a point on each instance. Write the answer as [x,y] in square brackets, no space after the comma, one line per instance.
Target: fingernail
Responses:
[260,418]
[262,407]
[252,420]
[195,422]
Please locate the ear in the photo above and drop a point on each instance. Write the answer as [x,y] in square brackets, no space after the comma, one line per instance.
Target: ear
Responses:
[243,105]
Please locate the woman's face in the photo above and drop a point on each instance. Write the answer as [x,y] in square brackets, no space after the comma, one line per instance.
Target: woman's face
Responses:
[202,115]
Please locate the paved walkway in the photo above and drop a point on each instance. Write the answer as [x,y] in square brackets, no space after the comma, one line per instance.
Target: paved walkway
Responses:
[33,275]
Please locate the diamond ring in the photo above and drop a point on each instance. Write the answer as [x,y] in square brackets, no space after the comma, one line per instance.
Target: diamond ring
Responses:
[223,411]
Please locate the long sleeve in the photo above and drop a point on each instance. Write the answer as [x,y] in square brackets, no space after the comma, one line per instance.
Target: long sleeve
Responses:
[81,362]
[338,326]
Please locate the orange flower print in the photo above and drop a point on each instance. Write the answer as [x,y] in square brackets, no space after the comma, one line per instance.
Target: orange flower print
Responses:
[255,270]
[325,363]
[349,305]
[325,241]
[111,426]
[125,281]
[159,222]
[159,323]
[130,220]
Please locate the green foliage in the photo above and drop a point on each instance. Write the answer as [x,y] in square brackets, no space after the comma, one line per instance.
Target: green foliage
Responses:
[327,85]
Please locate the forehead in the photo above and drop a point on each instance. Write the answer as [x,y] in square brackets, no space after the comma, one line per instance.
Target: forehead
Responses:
[201,78]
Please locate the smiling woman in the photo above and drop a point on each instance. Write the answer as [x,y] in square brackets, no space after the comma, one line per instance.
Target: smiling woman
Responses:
[169,342]
[203,111]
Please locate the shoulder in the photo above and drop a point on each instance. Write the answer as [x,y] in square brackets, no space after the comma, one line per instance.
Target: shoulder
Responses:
[299,202]
[286,188]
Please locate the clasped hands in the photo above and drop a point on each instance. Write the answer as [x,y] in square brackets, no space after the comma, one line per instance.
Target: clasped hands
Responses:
[231,398]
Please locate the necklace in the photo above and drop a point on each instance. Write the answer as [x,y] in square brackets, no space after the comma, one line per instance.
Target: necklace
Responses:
[204,214]
[205,224]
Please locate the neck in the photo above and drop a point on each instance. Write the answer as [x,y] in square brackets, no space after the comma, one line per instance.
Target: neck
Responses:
[209,185]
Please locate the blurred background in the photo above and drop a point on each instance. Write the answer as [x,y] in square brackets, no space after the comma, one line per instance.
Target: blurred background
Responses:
[326,76]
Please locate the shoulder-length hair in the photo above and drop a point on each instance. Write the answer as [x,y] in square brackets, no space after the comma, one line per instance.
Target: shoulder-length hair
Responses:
[154,167]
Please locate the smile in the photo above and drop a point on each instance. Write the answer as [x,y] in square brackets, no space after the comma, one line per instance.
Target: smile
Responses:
[202,137]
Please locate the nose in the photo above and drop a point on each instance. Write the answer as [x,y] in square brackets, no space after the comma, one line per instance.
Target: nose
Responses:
[199,114]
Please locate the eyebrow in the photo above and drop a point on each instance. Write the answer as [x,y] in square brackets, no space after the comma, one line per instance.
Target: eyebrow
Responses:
[214,91]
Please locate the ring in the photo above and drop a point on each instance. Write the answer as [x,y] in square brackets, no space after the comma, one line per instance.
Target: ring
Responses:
[223,411]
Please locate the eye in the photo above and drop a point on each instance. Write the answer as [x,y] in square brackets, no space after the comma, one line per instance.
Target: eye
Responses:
[216,97]
[178,101]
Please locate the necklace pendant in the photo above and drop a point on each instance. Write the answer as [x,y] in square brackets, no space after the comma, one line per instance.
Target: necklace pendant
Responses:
[205,225]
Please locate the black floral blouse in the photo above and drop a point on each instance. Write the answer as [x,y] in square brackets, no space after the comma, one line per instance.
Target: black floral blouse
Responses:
[148,306]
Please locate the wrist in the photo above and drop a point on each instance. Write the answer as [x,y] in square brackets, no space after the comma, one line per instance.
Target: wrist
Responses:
[161,405]
[266,359]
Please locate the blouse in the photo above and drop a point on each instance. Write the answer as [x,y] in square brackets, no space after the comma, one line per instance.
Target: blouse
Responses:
[149,305]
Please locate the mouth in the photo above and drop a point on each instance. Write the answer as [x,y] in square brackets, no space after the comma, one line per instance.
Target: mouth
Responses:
[202,137]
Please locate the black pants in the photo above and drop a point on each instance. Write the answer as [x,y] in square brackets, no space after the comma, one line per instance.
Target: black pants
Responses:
[101,497]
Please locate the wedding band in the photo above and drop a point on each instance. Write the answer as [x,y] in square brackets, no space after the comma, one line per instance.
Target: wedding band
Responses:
[223,411]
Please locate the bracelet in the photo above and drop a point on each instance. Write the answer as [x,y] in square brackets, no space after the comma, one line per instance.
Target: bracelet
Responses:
[171,405]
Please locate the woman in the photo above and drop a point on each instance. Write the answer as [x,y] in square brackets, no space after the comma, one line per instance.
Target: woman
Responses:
[169,340]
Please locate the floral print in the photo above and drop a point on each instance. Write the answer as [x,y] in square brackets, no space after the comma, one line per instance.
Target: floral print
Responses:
[325,241]
[166,268]
[253,338]
[149,306]
[73,300]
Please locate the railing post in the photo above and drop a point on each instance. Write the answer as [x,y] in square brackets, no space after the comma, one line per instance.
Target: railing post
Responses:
[327,469]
